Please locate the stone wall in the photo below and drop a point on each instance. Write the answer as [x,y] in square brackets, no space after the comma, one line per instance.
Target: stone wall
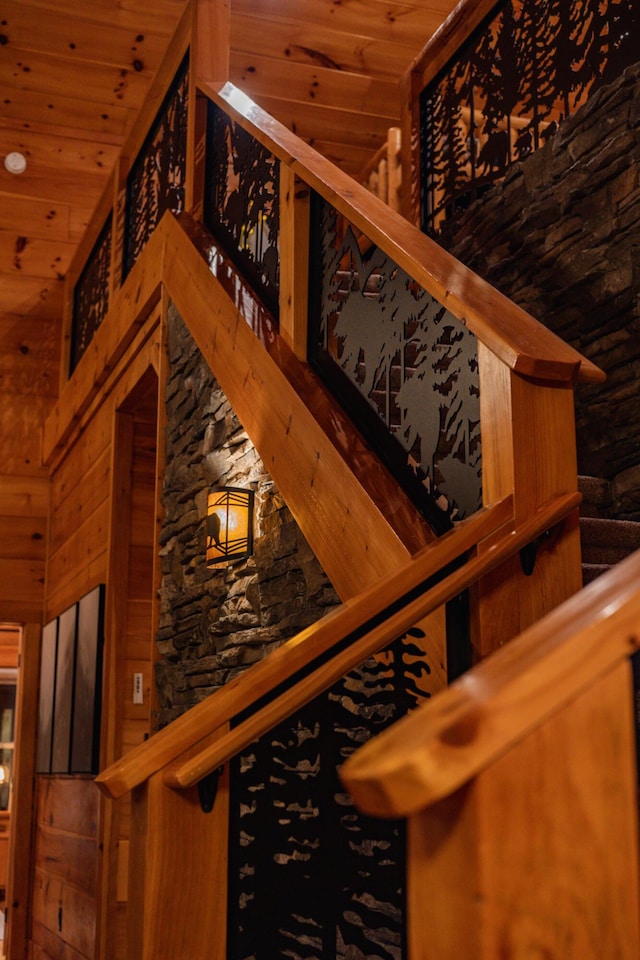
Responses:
[216,622]
[560,236]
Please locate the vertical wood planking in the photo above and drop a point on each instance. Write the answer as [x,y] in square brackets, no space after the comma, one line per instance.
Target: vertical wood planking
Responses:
[64,911]
[129,631]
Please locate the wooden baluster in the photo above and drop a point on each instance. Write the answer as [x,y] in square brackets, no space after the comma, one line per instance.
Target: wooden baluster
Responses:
[394,168]
[538,854]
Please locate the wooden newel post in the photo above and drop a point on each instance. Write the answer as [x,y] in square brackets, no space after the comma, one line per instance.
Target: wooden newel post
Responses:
[528,449]
[538,855]
[177,873]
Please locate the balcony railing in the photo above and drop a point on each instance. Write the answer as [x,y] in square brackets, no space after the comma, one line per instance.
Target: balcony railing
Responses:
[517,69]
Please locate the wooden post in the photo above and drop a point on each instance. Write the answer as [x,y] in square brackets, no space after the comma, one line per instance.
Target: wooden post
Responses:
[21,836]
[295,198]
[528,448]
[394,168]
[539,854]
[410,145]
[210,41]
[178,873]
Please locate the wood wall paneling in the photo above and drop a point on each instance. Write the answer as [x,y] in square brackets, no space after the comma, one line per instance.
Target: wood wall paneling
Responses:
[65,866]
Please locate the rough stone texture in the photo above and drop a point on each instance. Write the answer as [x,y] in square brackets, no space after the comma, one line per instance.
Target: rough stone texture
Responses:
[560,237]
[216,622]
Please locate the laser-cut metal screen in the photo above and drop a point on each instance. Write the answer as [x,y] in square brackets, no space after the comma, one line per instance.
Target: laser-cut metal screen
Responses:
[242,206]
[528,66]
[156,181]
[311,877]
[404,367]
[91,295]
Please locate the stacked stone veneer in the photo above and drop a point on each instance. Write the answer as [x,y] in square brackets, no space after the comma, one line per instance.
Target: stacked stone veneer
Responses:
[561,236]
[216,622]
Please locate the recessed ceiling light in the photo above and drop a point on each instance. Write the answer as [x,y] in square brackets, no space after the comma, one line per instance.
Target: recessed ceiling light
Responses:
[15,162]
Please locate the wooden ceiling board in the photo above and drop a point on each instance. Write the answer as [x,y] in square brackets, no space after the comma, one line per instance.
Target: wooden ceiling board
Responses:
[31,296]
[76,39]
[28,255]
[38,72]
[65,116]
[398,23]
[306,43]
[32,217]
[260,76]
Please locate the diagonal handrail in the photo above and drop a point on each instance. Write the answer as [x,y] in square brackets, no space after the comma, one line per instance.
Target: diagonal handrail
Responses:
[369,621]
[299,652]
[189,772]
[520,341]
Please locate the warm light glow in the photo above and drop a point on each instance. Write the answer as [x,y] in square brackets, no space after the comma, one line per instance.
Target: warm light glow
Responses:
[229,524]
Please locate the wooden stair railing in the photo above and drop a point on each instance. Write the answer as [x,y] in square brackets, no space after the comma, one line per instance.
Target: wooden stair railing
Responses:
[520,785]
[170,827]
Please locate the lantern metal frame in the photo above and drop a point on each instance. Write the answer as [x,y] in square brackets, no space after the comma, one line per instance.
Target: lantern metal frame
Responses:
[226,540]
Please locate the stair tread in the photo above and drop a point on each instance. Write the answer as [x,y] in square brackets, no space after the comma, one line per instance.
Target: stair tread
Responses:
[591,571]
[610,532]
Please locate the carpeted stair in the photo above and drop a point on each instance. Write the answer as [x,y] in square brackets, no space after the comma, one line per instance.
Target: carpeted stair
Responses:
[605,541]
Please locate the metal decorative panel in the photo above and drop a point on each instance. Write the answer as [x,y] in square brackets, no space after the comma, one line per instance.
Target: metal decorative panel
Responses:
[91,295]
[406,368]
[242,208]
[311,877]
[156,181]
[528,66]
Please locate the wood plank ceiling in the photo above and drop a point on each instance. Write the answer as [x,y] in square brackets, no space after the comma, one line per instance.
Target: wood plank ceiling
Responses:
[74,75]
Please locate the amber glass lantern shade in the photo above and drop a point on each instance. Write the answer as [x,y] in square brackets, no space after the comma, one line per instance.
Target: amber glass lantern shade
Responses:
[229,524]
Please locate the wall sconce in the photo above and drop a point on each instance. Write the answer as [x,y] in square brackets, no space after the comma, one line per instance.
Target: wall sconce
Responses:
[229,524]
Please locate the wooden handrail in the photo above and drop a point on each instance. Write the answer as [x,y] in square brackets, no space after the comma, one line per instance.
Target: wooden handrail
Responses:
[446,742]
[189,772]
[519,340]
[299,652]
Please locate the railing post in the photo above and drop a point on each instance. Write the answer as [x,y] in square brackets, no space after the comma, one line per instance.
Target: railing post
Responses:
[294,261]
[177,873]
[210,43]
[410,147]
[528,448]
[209,64]
[538,854]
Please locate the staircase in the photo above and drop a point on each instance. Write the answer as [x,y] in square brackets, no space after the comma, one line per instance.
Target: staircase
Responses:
[605,541]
